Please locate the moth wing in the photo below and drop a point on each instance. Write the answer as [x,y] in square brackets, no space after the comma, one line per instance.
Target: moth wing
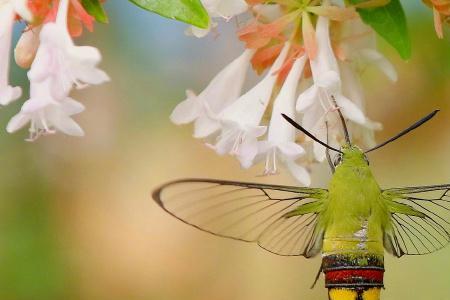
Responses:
[249,212]
[420,219]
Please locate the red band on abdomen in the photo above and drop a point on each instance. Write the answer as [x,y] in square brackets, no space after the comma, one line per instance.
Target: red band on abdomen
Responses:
[348,276]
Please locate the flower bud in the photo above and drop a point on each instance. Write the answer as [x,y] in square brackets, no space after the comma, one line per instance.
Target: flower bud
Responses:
[26,47]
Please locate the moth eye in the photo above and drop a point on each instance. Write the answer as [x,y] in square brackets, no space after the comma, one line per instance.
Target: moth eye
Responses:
[367,160]
[337,159]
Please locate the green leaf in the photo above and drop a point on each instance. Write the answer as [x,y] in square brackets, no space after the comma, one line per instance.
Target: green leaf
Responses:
[389,22]
[95,9]
[187,11]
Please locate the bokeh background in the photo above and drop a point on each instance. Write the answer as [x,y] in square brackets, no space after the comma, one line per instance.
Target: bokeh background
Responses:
[76,217]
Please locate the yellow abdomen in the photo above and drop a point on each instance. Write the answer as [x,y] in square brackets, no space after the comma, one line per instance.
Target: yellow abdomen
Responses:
[350,294]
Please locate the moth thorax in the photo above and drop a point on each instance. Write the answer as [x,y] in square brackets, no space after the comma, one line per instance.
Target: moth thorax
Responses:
[353,276]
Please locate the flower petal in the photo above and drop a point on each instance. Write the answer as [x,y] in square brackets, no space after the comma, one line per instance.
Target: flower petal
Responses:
[205,126]
[9,94]
[329,80]
[291,150]
[373,56]
[17,122]
[335,13]
[307,98]
[247,152]
[32,105]
[230,8]
[269,12]
[250,107]
[350,110]
[299,173]
[281,131]
[187,110]
[21,8]
[41,66]
[71,106]
[90,75]
[325,60]
[223,90]
[67,125]
[309,36]
[226,86]
[86,55]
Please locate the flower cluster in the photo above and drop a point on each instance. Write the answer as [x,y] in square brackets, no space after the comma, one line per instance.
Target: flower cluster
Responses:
[313,55]
[56,64]
[311,51]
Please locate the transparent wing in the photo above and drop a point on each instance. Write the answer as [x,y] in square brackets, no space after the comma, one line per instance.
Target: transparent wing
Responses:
[248,212]
[422,224]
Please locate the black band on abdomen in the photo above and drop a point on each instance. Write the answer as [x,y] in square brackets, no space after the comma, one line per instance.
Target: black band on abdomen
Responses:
[353,271]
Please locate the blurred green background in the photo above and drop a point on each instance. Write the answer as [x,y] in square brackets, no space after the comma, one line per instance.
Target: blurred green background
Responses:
[76,218]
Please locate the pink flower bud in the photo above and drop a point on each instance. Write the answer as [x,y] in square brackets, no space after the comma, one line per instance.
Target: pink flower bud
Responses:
[26,47]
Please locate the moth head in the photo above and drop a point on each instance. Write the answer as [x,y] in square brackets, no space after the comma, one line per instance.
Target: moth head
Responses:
[350,154]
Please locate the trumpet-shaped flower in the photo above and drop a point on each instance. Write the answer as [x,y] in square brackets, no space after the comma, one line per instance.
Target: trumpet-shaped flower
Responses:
[46,114]
[280,145]
[362,134]
[241,120]
[64,63]
[357,51]
[358,47]
[318,100]
[223,90]
[8,11]
[225,9]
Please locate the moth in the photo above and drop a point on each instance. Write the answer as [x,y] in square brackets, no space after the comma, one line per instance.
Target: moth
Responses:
[351,224]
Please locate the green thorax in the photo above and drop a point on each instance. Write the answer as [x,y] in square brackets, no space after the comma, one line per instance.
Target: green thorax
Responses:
[355,215]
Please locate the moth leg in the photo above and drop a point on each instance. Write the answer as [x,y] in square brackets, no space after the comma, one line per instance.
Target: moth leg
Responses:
[330,162]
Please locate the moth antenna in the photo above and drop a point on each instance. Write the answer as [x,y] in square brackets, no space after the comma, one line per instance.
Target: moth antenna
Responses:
[299,127]
[344,125]
[407,130]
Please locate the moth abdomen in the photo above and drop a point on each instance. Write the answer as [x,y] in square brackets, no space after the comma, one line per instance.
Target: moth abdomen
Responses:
[353,276]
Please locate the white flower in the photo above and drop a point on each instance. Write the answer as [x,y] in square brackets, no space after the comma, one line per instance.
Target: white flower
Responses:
[359,49]
[64,63]
[218,9]
[239,140]
[280,145]
[241,120]
[317,101]
[46,113]
[225,8]
[268,12]
[223,90]
[8,11]
[362,134]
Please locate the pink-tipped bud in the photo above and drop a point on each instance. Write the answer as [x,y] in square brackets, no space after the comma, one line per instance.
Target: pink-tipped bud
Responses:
[26,47]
